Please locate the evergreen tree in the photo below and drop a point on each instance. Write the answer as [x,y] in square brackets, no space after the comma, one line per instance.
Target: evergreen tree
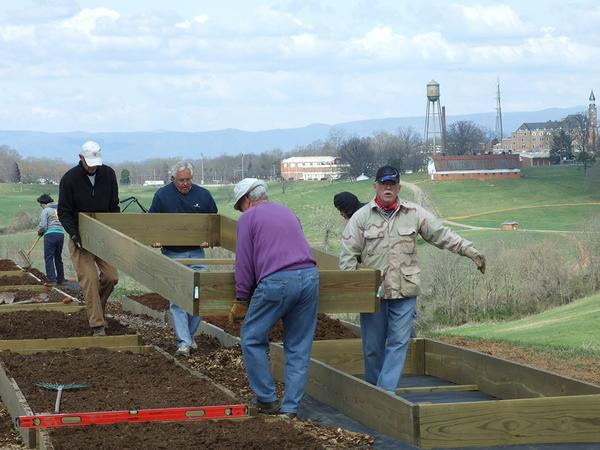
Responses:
[125,177]
[562,147]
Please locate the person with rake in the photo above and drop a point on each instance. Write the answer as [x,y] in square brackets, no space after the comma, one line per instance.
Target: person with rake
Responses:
[54,237]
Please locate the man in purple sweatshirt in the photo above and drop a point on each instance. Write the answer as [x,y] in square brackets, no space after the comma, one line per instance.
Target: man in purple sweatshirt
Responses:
[275,278]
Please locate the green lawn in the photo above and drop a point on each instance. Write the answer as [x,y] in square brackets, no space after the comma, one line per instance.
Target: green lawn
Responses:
[15,198]
[573,327]
[538,186]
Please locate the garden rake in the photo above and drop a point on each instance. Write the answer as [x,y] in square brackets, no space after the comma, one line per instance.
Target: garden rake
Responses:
[60,388]
[25,255]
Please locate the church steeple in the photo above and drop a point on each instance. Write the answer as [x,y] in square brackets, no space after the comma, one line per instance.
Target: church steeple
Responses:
[592,98]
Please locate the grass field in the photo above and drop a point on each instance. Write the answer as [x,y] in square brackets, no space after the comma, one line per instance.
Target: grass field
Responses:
[538,186]
[572,327]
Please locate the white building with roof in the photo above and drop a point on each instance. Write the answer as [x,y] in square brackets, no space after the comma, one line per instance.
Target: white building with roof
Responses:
[312,168]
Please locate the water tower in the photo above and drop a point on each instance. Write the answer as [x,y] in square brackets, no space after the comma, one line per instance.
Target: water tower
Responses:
[433,118]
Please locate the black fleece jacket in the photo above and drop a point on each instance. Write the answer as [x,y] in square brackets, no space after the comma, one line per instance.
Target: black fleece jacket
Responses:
[76,194]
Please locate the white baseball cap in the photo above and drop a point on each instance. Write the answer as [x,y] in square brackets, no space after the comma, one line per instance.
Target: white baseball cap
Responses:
[92,153]
[243,188]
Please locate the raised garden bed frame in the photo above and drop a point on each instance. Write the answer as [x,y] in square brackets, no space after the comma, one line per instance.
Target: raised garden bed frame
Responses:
[123,240]
[534,406]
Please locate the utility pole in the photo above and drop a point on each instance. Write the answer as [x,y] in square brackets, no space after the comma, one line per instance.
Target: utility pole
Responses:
[202,170]
[242,166]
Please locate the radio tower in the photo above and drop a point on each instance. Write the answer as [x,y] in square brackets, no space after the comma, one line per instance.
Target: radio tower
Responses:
[499,131]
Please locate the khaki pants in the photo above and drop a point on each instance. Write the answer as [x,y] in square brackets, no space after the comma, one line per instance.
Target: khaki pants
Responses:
[96,288]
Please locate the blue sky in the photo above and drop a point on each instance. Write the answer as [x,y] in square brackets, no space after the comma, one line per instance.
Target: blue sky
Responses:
[108,65]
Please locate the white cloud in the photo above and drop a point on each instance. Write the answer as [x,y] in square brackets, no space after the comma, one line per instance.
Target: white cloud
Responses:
[491,18]
[187,24]
[87,20]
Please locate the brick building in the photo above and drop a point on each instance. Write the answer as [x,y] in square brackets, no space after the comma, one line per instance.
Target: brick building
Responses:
[312,168]
[480,167]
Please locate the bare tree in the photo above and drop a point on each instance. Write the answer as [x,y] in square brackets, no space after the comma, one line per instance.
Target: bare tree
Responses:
[465,138]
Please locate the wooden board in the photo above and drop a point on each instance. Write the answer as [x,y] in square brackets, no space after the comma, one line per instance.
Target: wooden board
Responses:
[510,422]
[346,355]
[60,307]
[154,270]
[207,261]
[228,228]
[168,229]
[15,403]
[12,273]
[25,287]
[355,398]
[452,387]
[16,345]
[498,377]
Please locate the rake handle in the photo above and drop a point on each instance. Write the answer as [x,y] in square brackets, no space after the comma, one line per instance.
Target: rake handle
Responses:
[34,244]
[59,392]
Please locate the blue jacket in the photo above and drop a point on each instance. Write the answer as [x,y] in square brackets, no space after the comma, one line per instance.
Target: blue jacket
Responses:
[169,200]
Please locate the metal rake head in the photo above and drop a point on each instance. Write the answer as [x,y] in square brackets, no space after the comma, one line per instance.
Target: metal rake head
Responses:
[63,387]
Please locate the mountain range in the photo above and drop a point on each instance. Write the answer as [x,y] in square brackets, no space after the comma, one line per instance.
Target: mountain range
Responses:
[142,145]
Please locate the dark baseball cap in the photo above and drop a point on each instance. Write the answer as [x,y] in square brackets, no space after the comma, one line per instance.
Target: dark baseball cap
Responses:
[44,199]
[387,173]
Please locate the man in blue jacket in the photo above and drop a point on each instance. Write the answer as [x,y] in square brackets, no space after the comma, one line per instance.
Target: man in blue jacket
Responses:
[182,196]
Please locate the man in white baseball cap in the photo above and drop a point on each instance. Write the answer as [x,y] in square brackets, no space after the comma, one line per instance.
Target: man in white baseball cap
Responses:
[89,187]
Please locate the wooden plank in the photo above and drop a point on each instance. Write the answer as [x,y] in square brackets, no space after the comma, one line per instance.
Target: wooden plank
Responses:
[140,349]
[325,261]
[168,229]
[346,355]
[357,399]
[60,307]
[339,291]
[228,233]
[498,377]
[16,404]
[12,273]
[224,338]
[69,343]
[509,422]
[25,287]
[450,388]
[155,271]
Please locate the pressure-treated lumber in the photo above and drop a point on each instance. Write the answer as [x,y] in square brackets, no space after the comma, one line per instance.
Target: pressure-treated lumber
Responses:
[25,287]
[155,271]
[357,399]
[524,421]
[207,261]
[210,292]
[498,377]
[60,307]
[13,273]
[448,388]
[15,403]
[187,229]
[346,355]
[69,343]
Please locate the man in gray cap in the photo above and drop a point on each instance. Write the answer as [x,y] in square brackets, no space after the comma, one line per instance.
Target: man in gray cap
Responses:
[89,187]
[275,278]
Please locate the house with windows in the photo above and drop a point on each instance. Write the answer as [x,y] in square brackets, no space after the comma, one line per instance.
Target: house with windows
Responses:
[313,168]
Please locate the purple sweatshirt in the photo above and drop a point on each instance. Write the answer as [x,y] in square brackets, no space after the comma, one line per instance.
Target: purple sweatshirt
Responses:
[269,240]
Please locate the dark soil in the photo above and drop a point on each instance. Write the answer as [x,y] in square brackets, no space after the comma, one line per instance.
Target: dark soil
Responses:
[52,324]
[327,328]
[42,276]
[50,296]
[152,300]
[8,264]
[123,381]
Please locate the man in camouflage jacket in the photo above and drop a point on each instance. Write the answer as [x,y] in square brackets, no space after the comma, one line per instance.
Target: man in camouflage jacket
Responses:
[383,234]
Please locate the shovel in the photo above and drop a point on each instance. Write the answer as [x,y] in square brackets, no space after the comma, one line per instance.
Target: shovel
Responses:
[25,256]
[60,388]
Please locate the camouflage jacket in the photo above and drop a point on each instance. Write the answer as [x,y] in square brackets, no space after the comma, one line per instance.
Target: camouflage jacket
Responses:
[389,245]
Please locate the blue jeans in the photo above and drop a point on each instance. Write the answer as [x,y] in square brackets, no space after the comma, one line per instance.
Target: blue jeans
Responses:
[293,296]
[53,245]
[184,324]
[385,337]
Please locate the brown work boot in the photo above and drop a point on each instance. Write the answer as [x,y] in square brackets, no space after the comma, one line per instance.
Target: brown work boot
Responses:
[98,331]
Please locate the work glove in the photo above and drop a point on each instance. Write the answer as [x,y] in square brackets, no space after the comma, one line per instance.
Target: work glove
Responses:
[76,240]
[238,310]
[479,261]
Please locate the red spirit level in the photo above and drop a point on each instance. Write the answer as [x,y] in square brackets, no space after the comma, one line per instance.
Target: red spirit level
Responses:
[133,415]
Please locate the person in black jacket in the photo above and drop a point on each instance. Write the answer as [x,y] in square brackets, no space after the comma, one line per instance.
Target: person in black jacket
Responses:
[89,187]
